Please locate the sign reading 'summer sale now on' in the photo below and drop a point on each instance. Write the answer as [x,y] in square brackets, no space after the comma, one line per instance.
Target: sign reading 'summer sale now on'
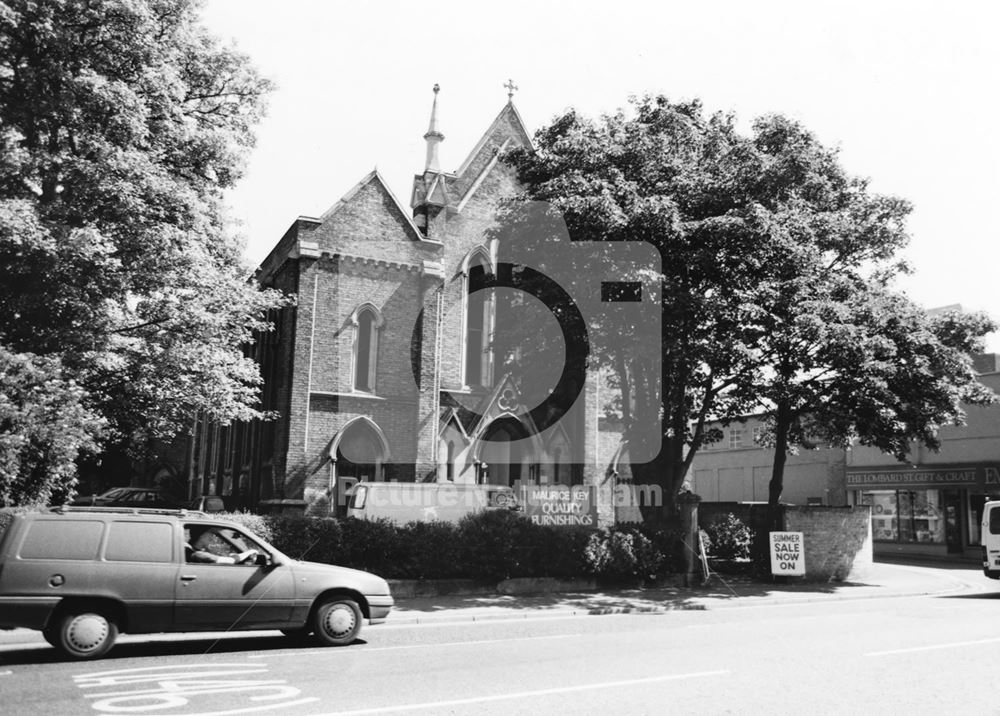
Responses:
[788,555]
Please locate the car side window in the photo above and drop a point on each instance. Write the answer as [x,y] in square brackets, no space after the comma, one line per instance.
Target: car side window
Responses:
[220,545]
[139,542]
[57,539]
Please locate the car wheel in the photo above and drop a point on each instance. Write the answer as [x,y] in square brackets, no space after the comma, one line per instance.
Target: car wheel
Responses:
[85,634]
[337,621]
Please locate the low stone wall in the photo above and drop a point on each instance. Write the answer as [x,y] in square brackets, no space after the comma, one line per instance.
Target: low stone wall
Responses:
[837,541]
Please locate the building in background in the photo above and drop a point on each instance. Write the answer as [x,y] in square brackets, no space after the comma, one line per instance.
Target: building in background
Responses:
[930,505]
[385,369]
[933,503]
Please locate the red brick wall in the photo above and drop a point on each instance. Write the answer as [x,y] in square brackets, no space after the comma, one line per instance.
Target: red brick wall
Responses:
[837,541]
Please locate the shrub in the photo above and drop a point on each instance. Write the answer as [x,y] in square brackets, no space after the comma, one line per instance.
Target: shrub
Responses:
[667,540]
[495,545]
[730,537]
[626,555]
[372,545]
[312,539]
[556,552]
[258,524]
[429,550]
[489,546]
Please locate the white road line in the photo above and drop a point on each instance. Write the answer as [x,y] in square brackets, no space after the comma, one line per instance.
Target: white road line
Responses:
[521,694]
[6,673]
[364,650]
[952,645]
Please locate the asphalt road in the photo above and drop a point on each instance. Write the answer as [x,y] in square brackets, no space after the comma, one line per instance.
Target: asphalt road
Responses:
[906,655]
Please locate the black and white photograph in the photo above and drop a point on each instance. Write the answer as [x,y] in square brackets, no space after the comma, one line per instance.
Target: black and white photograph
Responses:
[446,358]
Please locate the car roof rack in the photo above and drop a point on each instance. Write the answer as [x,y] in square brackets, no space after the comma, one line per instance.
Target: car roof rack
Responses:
[62,509]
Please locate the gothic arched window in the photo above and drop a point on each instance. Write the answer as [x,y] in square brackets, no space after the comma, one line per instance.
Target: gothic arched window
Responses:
[478,321]
[367,323]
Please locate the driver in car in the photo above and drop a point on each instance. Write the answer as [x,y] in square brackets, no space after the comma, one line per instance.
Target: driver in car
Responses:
[205,546]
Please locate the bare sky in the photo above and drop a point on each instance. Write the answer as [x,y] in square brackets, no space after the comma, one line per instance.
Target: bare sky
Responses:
[906,90]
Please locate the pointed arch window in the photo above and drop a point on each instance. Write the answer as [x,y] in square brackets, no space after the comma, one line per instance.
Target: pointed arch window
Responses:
[367,324]
[477,359]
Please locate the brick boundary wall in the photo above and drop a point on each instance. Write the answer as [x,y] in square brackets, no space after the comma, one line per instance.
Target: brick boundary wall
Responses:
[837,541]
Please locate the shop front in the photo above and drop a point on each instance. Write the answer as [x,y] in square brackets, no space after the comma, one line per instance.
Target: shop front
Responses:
[925,510]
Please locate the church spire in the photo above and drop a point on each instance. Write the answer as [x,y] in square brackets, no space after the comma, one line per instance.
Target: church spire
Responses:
[433,137]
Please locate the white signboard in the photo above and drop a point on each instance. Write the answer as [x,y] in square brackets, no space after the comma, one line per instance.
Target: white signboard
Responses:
[788,555]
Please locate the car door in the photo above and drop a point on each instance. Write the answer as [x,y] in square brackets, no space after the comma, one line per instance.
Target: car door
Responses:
[233,596]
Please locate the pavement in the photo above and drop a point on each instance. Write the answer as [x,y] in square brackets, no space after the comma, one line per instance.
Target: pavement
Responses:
[881,580]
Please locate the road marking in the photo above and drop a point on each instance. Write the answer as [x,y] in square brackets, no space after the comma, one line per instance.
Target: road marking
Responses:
[364,650]
[523,694]
[952,645]
[144,689]
[6,673]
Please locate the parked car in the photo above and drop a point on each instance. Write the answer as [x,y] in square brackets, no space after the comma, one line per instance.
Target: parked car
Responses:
[82,575]
[208,503]
[130,497]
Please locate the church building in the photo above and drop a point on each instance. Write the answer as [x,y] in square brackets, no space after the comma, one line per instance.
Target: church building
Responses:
[385,368]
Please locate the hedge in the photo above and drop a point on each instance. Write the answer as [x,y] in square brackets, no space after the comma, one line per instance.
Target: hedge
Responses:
[489,547]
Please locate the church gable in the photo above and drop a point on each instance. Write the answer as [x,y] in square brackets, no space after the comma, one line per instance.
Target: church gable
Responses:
[369,222]
[506,131]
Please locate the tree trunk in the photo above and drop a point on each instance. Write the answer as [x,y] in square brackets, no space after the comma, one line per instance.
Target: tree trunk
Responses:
[782,425]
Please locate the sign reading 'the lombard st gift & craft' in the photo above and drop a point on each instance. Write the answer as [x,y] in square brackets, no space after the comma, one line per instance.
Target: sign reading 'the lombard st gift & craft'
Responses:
[980,475]
[787,554]
[560,505]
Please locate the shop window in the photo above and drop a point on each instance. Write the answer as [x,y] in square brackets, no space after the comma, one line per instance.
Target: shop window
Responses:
[906,515]
[976,503]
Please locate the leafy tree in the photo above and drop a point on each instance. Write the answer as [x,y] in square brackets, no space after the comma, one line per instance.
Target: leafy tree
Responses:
[43,425]
[868,366]
[841,357]
[760,238]
[121,124]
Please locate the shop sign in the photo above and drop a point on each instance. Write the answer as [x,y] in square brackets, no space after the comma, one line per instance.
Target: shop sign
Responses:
[787,554]
[957,477]
[560,505]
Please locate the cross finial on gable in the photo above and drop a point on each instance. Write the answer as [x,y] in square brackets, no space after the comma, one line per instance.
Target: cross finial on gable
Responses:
[511,88]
